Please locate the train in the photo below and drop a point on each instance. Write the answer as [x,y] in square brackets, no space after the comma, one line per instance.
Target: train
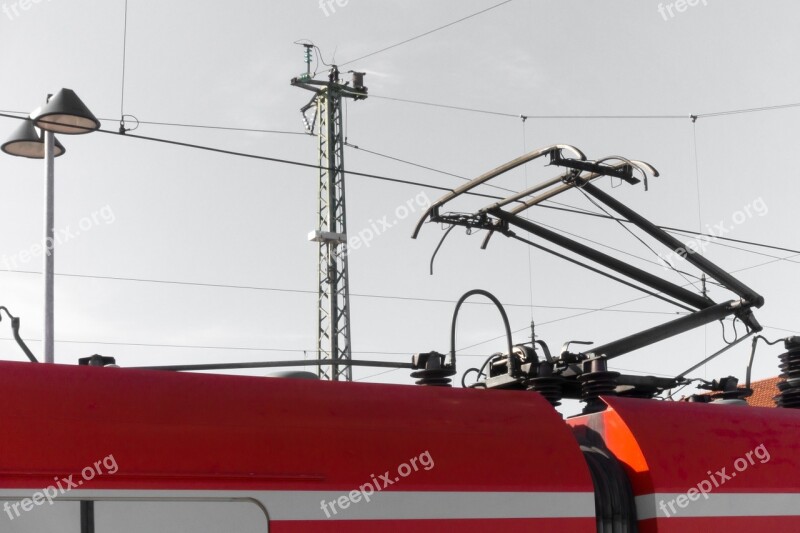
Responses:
[95,448]
[143,450]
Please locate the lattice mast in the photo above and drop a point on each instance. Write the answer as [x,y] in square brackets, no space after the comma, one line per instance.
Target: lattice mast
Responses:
[333,302]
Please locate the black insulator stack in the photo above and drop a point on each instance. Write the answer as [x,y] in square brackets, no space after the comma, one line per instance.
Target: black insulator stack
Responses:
[789,385]
[546,384]
[550,388]
[432,370]
[594,385]
[433,378]
[740,393]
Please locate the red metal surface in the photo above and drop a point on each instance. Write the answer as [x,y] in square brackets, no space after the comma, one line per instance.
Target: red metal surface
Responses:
[669,448]
[170,431]
[559,525]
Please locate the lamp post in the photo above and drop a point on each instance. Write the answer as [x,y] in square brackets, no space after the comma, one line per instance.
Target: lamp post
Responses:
[63,113]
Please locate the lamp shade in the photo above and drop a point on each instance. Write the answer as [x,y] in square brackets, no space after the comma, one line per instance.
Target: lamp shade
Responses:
[25,142]
[66,113]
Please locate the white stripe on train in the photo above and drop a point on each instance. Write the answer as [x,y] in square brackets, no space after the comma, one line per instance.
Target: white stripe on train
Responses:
[420,505]
[718,504]
[389,505]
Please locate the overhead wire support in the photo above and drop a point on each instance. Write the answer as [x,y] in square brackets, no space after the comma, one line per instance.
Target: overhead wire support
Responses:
[333,302]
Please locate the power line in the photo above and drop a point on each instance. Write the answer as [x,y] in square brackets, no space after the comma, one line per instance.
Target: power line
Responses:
[392,180]
[576,236]
[183,125]
[692,117]
[304,291]
[759,265]
[222,128]
[518,115]
[210,347]
[418,165]
[277,160]
[201,347]
[747,110]
[365,378]
[407,162]
[124,57]
[626,228]
[571,209]
[792,331]
[426,33]
[618,304]
[581,211]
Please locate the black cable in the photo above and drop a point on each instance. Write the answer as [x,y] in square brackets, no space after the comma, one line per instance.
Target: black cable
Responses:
[222,128]
[124,57]
[205,347]
[399,160]
[759,265]
[279,160]
[581,211]
[605,308]
[306,291]
[742,249]
[601,272]
[748,110]
[626,228]
[405,182]
[517,115]
[578,211]
[656,263]
[378,374]
[753,355]
[426,33]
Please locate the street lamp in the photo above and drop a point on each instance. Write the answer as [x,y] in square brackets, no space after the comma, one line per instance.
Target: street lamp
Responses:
[63,113]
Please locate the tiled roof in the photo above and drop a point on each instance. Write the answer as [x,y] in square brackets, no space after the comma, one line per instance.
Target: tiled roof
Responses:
[763,392]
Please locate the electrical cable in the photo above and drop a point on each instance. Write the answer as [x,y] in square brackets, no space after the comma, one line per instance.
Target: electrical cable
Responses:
[314,292]
[124,58]
[626,228]
[426,33]
[517,115]
[602,273]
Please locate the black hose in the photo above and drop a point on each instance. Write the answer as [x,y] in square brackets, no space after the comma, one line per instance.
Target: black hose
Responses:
[512,362]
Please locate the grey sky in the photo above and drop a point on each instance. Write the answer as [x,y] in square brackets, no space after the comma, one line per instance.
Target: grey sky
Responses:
[185,215]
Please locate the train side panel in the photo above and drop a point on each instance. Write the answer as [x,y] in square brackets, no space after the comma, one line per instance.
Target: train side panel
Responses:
[316,456]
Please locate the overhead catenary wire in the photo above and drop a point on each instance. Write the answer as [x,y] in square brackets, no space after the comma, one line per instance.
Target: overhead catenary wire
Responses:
[578,210]
[577,116]
[124,61]
[560,207]
[188,125]
[637,299]
[747,110]
[217,347]
[393,180]
[626,228]
[313,292]
[414,38]
[220,128]
[532,115]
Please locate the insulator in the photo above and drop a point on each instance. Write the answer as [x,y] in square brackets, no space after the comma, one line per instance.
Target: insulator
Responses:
[434,377]
[594,385]
[738,394]
[789,386]
[549,387]
[432,370]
